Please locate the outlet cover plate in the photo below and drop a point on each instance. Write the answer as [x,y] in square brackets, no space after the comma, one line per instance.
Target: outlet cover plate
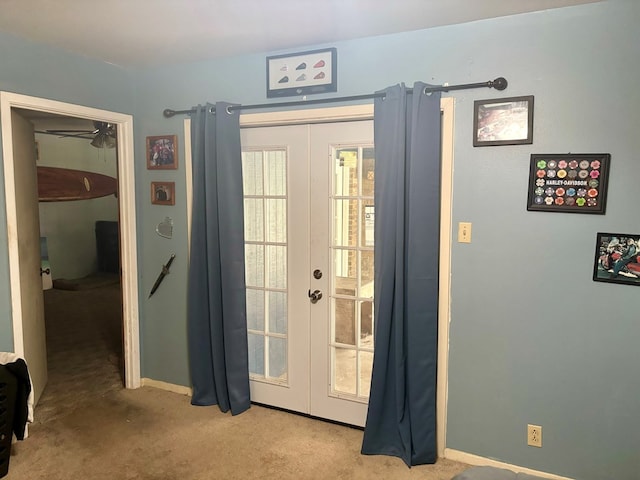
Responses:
[534,435]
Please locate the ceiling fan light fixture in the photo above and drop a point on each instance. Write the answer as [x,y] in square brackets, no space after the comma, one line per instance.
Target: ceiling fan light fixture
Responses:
[103,140]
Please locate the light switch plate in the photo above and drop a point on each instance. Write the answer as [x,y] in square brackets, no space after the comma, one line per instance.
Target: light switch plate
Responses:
[464,232]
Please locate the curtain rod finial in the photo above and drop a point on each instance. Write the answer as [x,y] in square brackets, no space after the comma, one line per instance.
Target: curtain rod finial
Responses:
[499,83]
[168,113]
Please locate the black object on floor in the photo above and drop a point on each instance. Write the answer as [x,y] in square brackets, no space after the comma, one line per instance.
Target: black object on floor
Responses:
[8,391]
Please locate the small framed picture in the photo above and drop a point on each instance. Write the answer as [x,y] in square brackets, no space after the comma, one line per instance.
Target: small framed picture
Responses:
[617,258]
[302,73]
[162,152]
[163,193]
[503,121]
[568,183]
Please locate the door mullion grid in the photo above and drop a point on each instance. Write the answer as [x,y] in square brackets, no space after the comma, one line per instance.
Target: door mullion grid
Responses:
[265,196]
[362,201]
[359,206]
[345,249]
[268,195]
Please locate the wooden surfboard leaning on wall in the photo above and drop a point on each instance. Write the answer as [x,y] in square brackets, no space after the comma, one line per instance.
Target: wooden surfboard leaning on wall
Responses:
[63,184]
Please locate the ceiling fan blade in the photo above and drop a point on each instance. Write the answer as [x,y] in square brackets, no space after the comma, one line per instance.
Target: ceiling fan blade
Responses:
[87,135]
[104,135]
[84,134]
[50,130]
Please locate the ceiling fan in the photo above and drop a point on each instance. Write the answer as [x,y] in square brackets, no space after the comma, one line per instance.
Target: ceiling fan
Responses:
[102,136]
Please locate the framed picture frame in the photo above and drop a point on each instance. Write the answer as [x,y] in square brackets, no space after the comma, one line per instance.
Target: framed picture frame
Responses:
[568,183]
[503,121]
[302,73]
[163,193]
[617,258]
[162,152]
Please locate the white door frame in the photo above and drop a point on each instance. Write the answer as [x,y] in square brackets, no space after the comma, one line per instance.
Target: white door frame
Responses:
[126,199]
[365,112]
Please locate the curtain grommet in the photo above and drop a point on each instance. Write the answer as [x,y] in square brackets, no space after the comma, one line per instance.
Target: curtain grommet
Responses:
[229,111]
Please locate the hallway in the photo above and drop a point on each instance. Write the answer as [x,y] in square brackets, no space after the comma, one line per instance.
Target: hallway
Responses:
[84,344]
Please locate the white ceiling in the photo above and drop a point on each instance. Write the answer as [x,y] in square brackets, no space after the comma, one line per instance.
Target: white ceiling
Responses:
[156,32]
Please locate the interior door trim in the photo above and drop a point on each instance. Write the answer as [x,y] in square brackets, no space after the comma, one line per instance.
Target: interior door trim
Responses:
[126,197]
[309,116]
[365,112]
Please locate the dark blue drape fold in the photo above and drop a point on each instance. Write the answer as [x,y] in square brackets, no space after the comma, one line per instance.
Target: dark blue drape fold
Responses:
[217,326]
[401,419]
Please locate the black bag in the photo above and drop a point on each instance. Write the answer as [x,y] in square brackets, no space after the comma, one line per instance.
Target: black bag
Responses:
[8,392]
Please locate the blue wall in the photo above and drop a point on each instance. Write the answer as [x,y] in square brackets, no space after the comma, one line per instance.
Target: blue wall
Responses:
[31,69]
[533,338]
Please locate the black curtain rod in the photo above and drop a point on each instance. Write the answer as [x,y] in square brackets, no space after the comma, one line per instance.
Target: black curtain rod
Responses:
[499,83]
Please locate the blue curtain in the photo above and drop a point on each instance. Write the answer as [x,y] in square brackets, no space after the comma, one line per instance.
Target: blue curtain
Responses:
[401,420]
[217,326]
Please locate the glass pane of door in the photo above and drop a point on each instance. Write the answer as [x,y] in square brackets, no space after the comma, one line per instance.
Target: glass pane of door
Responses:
[352,246]
[264,174]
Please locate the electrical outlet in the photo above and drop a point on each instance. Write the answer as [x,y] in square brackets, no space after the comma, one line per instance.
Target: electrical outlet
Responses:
[534,435]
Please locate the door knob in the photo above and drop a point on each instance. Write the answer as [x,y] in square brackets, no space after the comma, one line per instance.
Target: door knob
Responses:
[315,296]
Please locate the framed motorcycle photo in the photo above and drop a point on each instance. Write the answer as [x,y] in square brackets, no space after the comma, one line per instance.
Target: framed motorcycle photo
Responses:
[503,121]
[617,258]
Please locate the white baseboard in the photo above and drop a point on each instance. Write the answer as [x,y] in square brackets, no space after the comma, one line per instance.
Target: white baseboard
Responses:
[170,387]
[471,459]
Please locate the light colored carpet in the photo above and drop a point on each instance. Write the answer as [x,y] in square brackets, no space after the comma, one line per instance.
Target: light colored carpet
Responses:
[88,427]
[84,346]
[150,434]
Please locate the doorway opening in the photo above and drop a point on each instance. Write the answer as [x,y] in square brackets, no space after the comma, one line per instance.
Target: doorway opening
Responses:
[77,173]
[28,338]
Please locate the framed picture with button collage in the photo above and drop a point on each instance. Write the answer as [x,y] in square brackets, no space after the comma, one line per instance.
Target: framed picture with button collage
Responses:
[569,183]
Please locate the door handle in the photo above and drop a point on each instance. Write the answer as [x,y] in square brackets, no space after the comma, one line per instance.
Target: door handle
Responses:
[315,296]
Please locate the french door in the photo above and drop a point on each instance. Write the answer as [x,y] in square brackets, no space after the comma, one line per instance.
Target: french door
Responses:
[309,216]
